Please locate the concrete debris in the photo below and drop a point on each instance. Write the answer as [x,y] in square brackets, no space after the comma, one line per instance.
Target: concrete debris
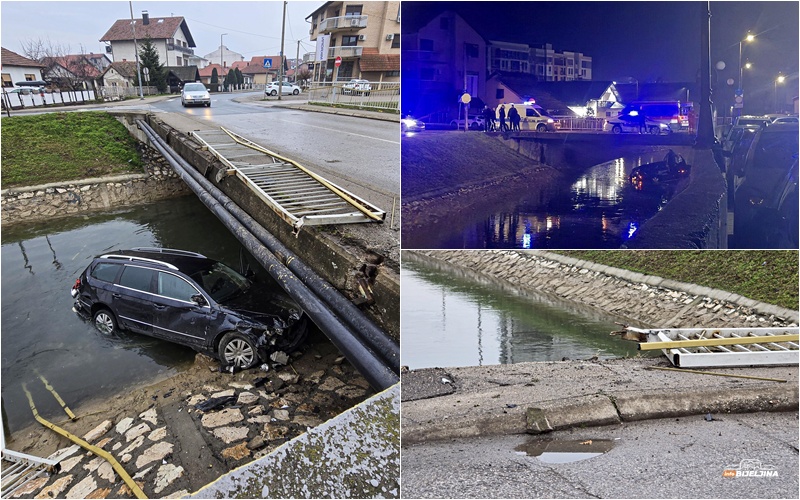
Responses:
[69,463]
[237,452]
[158,434]
[279,357]
[137,431]
[231,434]
[135,444]
[220,418]
[30,487]
[246,398]
[150,416]
[156,452]
[83,489]
[98,431]
[166,475]
[123,425]
[55,489]
[280,414]
[99,493]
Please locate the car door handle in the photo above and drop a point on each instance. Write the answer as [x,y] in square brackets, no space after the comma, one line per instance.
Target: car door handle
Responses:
[159,306]
[116,295]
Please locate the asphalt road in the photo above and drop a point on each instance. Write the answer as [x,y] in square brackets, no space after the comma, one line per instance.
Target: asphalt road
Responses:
[667,458]
[361,154]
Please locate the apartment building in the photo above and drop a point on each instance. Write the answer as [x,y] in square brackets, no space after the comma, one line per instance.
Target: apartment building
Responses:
[364,37]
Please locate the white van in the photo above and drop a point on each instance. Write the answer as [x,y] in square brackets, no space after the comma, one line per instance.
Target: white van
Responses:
[532,117]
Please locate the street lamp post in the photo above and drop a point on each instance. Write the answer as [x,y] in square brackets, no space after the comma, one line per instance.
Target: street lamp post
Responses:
[220,56]
[778,80]
[749,38]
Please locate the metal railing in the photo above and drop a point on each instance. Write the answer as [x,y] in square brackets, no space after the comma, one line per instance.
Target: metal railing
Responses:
[577,123]
[343,22]
[344,52]
[380,96]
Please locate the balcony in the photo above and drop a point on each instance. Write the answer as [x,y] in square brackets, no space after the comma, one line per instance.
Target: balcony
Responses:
[178,48]
[344,52]
[343,23]
[309,57]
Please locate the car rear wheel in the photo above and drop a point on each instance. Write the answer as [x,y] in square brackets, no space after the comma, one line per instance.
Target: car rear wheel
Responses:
[474,126]
[274,93]
[236,349]
[616,129]
[654,131]
[105,321]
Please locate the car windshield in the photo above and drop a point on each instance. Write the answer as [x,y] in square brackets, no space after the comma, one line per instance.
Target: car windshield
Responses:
[221,282]
[777,150]
[194,87]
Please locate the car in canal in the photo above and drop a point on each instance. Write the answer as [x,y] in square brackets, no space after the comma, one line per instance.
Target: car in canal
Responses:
[285,89]
[187,298]
[670,169]
[195,93]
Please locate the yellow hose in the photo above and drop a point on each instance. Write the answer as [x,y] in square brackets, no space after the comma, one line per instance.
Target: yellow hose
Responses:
[58,398]
[94,449]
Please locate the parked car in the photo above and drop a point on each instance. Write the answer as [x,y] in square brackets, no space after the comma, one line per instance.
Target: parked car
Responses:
[659,117]
[356,87]
[621,125]
[770,159]
[784,119]
[195,93]
[187,298]
[759,120]
[473,122]
[532,117]
[768,218]
[285,89]
[671,168]
[24,91]
[411,124]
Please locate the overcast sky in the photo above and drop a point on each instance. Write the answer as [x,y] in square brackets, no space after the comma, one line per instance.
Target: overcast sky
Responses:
[253,28]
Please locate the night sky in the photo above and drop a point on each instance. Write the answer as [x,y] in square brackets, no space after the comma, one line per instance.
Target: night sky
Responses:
[644,40]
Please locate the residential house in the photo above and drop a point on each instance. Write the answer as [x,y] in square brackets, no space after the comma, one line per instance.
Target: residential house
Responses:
[545,63]
[119,74]
[577,98]
[178,75]
[224,56]
[363,36]
[17,68]
[256,73]
[442,58]
[170,36]
[74,71]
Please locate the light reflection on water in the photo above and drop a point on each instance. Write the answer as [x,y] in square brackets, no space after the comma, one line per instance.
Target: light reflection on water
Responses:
[453,318]
[599,209]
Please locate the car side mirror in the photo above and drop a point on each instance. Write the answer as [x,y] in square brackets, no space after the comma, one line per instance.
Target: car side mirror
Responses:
[199,300]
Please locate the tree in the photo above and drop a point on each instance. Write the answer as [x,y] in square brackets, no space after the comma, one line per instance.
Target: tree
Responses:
[239,78]
[148,57]
[214,80]
[302,77]
[230,79]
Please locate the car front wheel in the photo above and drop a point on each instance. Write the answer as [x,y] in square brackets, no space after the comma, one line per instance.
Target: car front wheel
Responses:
[105,321]
[541,127]
[236,349]
[616,129]
[295,92]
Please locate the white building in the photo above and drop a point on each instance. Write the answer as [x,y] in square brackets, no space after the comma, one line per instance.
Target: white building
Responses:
[228,57]
[170,36]
[17,68]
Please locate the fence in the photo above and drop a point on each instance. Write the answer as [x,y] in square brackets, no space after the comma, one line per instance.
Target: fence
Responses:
[119,93]
[16,100]
[380,96]
[576,123]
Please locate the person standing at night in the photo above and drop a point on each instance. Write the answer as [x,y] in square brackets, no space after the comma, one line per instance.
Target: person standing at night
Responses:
[513,117]
[502,114]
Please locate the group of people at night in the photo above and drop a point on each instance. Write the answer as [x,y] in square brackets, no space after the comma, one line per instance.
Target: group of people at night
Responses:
[512,115]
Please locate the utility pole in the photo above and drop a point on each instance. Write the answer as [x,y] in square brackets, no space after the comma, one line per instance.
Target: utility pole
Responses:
[283,34]
[705,127]
[136,52]
[296,62]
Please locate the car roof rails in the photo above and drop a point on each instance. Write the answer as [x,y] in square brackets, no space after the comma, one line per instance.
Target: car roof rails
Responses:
[170,251]
[131,258]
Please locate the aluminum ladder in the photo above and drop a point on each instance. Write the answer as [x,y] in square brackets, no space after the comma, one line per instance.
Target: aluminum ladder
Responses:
[298,195]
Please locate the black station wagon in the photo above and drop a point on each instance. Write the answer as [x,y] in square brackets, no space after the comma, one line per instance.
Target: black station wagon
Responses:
[191,300]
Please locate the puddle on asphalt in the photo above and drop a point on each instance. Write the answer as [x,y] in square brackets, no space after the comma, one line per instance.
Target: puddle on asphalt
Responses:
[565,451]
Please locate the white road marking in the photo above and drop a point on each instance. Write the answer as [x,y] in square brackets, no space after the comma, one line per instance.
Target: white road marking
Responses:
[342,132]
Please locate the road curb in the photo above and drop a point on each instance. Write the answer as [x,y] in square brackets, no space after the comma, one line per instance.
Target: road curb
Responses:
[607,409]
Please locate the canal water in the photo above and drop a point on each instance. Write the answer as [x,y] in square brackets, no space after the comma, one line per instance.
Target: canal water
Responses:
[41,335]
[452,317]
[599,209]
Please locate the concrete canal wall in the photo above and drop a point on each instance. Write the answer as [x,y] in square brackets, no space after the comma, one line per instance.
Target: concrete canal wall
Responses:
[632,298]
[59,199]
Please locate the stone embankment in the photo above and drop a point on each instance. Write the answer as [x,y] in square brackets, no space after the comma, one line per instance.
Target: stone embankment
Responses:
[37,203]
[170,447]
[633,298]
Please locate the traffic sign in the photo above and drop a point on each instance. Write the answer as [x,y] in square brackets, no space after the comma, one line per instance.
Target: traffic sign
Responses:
[338,61]
[267,63]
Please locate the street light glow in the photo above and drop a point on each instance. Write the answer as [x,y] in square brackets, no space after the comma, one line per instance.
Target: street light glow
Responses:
[750,37]
[780,79]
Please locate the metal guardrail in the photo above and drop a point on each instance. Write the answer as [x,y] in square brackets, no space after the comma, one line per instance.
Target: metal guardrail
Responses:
[384,96]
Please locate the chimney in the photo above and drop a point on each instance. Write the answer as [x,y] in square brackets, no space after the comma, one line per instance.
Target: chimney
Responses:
[145,18]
